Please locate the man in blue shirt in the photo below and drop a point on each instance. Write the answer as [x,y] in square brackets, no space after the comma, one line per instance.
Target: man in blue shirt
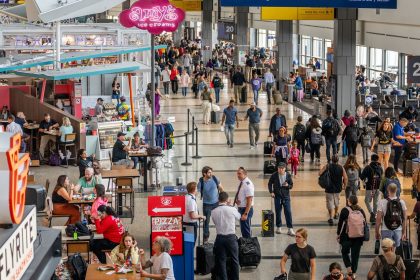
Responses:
[254,114]
[401,138]
[277,121]
[230,117]
[209,187]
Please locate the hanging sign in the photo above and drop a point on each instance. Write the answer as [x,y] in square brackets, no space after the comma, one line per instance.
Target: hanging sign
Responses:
[413,69]
[155,16]
[292,13]
[375,4]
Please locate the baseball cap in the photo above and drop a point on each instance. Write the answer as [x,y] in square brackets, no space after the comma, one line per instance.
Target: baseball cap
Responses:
[122,98]
[253,104]
[100,99]
[387,243]
[281,165]
[120,134]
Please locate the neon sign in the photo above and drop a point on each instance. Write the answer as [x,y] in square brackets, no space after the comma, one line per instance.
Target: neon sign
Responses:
[155,16]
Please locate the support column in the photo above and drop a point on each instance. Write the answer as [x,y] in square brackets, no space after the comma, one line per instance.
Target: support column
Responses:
[207,29]
[284,40]
[57,45]
[241,38]
[345,60]
[178,34]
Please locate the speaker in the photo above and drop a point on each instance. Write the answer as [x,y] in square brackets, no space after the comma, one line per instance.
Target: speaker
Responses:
[36,195]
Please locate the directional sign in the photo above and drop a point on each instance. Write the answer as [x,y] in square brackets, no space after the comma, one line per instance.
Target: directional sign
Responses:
[164,206]
[413,69]
[376,4]
[292,13]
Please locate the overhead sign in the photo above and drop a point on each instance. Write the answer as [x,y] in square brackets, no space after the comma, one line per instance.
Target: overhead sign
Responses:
[162,206]
[188,6]
[293,13]
[376,4]
[413,69]
[155,16]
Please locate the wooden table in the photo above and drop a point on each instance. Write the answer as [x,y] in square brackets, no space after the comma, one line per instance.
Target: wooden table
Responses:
[53,132]
[31,127]
[93,273]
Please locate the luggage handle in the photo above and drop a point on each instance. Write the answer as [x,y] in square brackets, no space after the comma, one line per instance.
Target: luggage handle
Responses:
[409,240]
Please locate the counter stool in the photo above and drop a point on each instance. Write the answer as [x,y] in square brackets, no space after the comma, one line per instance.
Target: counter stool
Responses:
[124,188]
[69,142]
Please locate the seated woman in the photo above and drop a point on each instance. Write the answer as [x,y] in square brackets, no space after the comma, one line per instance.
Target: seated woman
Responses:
[88,182]
[126,252]
[83,161]
[161,261]
[65,128]
[60,199]
[135,146]
[112,229]
[100,199]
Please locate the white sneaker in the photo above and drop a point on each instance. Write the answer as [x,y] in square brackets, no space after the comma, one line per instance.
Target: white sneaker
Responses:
[291,232]
[251,147]
[279,230]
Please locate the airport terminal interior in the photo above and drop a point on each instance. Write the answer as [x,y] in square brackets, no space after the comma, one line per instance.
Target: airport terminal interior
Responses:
[140,97]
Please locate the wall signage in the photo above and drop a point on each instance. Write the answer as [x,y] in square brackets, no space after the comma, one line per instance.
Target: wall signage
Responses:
[292,13]
[413,69]
[188,6]
[155,16]
[375,4]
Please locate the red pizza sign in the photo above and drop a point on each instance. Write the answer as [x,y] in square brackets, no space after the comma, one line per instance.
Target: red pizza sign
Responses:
[171,228]
[165,206]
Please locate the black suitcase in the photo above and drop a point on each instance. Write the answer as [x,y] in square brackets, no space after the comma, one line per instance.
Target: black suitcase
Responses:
[268,147]
[267,224]
[269,166]
[405,250]
[249,252]
[204,256]
[36,195]
[244,95]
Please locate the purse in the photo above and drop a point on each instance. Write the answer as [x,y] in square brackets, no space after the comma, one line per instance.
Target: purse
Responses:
[281,277]
[324,179]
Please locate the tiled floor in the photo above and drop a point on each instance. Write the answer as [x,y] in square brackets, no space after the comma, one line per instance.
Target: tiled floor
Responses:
[308,202]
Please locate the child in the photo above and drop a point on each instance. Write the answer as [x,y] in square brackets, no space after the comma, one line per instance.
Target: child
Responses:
[126,252]
[294,157]
[299,135]
[366,142]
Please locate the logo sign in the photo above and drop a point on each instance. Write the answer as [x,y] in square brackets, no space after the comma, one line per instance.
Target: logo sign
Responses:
[164,206]
[289,13]
[14,174]
[368,100]
[17,253]
[155,16]
[376,4]
[413,69]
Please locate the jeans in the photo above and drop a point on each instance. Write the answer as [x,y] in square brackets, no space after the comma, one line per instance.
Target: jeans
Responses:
[315,151]
[345,152]
[254,133]
[331,141]
[351,247]
[351,147]
[366,152]
[369,195]
[97,245]
[184,91]
[246,225]
[174,84]
[397,155]
[136,161]
[217,93]
[352,190]
[226,246]
[280,203]
[394,235]
[207,213]
[229,130]
[268,87]
[255,95]
[166,88]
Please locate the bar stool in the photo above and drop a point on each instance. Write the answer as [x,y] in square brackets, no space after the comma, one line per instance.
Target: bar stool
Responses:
[124,188]
[69,142]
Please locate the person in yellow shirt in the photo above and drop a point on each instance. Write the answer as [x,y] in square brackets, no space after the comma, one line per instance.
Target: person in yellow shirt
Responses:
[123,109]
[127,251]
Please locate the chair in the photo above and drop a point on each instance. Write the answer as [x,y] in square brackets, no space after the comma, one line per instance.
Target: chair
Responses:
[50,215]
[124,189]
[69,142]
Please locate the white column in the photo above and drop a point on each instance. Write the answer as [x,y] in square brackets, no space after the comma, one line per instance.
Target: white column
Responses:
[57,45]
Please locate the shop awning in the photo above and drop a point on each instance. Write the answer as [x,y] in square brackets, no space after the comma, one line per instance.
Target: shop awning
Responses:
[78,72]
[25,61]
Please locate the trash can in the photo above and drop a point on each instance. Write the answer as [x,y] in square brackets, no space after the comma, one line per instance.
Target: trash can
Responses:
[184,265]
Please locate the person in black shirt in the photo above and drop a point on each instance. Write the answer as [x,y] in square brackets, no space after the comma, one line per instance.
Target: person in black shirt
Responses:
[410,114]
[47,124]
[120,151]
[83,161]
[238,81]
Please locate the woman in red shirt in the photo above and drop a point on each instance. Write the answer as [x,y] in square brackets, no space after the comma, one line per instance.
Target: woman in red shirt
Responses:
[174,78]
[111,227]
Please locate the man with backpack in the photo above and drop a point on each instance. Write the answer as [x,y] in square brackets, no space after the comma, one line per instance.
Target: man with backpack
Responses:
[299,135]
[330,130]
[209,187]
[387,266]
[392,216]
[372,175]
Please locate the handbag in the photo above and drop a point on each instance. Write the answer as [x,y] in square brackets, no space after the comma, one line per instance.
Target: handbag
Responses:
[307,147]
[281,277]
[324,179]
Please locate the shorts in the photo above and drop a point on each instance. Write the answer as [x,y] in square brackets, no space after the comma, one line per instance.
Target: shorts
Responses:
[332,200]
[382,149]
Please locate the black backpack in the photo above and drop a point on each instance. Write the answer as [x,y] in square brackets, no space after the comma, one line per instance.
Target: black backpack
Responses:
[80,228]
[300,132]
[394,214]
[330,127]
[352,134]
[77,266]
[391,271]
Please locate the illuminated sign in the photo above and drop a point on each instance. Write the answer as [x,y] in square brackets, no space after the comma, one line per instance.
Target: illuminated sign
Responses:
[188,6]
[376,4]
[14,173]
[292,13]
[155,16]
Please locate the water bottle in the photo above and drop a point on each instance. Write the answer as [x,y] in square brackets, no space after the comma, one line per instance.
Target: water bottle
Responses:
[84,221]
[75,237]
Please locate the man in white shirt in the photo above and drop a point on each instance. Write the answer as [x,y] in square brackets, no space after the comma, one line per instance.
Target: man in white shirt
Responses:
[14,128]
[191,216]
[393,225]
[186,61]
[244,198]
[226,245]
[269,83]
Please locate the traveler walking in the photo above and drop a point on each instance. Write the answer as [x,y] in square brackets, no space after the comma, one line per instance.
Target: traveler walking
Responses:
[371,175]
[281,146]
[366,143]
[256,84]
[166,79]
[250,64]
[294,157]
[353,172]
[254,114]
[338,178]
[330,130]
[299,132]
[207,97]
[277,120]
[346,119]
[384,139]
[217,85]
[351,135]
[185,81]
[174,79]
[279,186]
[269,83]
[314,136]
[244,198]
[230,117]
[238,80]
[390,177]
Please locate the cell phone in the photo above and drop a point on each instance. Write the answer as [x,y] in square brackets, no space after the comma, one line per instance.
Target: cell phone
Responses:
[377,245]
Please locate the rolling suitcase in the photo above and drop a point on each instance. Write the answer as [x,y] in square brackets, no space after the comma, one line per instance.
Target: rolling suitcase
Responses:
[204,256]
[405,250]
[244,95]
[268,146]
[267,225]
[215,117]
[269,166]
[249,252]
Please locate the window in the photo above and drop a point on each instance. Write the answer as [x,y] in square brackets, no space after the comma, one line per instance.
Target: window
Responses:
[391,62]
[305,49]
[375,64]
[361,55]
[271,39]
[317,47]
[262,38]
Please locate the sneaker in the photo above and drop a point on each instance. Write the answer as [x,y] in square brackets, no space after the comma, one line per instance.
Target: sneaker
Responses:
[336,216]
[251,147]
[291,232]
[279,230]
[331,222]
